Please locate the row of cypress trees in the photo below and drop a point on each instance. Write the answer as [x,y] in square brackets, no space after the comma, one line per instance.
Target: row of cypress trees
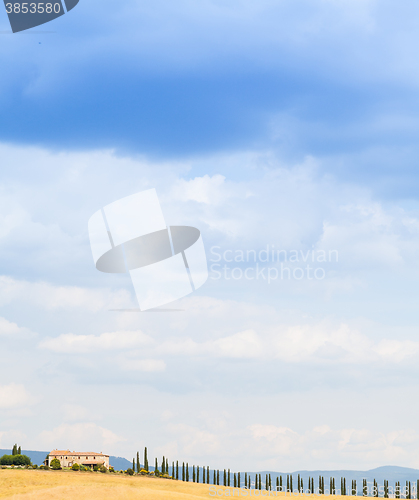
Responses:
[227,478]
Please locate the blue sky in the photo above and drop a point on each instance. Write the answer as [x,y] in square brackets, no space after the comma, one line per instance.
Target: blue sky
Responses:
[287,123]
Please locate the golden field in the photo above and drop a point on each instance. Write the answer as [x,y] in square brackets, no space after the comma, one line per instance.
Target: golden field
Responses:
[57,485]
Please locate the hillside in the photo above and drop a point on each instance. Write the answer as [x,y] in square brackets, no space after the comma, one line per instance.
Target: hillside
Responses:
[55,485]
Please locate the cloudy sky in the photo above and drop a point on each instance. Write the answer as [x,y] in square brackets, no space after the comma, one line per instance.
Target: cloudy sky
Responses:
[290,125]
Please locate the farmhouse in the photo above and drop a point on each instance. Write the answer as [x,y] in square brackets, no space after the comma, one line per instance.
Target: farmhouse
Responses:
[68,458]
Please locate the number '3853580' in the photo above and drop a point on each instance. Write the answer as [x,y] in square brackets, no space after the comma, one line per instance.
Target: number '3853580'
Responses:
[33,8]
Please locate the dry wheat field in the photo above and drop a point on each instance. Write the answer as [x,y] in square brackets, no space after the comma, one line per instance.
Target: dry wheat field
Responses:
[58,485]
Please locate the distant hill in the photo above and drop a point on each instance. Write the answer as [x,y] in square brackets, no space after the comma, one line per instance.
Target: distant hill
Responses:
[38,457]
[392,473]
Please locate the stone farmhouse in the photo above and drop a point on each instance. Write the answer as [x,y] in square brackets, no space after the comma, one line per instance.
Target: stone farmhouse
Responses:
[68,458]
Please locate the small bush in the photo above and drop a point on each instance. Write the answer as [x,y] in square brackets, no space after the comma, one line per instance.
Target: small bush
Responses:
[95,468]
[55,464]
[103,469]
[34,466]
[111,469]
[75,467]
[130,472]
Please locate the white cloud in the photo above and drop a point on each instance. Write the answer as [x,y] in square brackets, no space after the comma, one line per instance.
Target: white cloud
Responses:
[71,343]
[142,365]
[14,396]
[81,436]
[8,328]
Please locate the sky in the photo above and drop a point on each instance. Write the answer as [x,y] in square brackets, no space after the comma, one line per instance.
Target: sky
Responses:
[273,126]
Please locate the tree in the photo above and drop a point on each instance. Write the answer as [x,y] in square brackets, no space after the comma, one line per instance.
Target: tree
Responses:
[19,451]
[266,482]
[177,469]
[288,483]
[218,477]
[270,483]
[133,464]
[183,471]
[291,488]
[365,488]
[163,466]
[55,464]
[215,480]
[145,459]
[138,462]
[156,468]
[193,474]
[14,451]
[130,472]
[197,473]
[76,467]
[238,480]
[187,472]
[228,477]
[225,478]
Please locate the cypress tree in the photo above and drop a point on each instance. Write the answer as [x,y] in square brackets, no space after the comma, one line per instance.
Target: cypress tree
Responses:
[312,484]
[163,466]
[197,473]
[320,485]
[156,468]
[234,480]
[14,451]
[133,464]
[260,482]
[145,459]
[177,470]
[173,470]
[208,475]
[302,486]
[218,477]
[187,472]
[256,482]
[183,471]
[291,488]
[19,451]
[225,478]
[193,474]
[299,484]
[250,482]
[288,483]
[331,486]
[270,483]
[245,480]
[238,480]
[277,483]
[280,483]
[364,488]
[138,462]
[167,466]
[228,478]
[309,484]
[417,488]
[344,485]
[266,482]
